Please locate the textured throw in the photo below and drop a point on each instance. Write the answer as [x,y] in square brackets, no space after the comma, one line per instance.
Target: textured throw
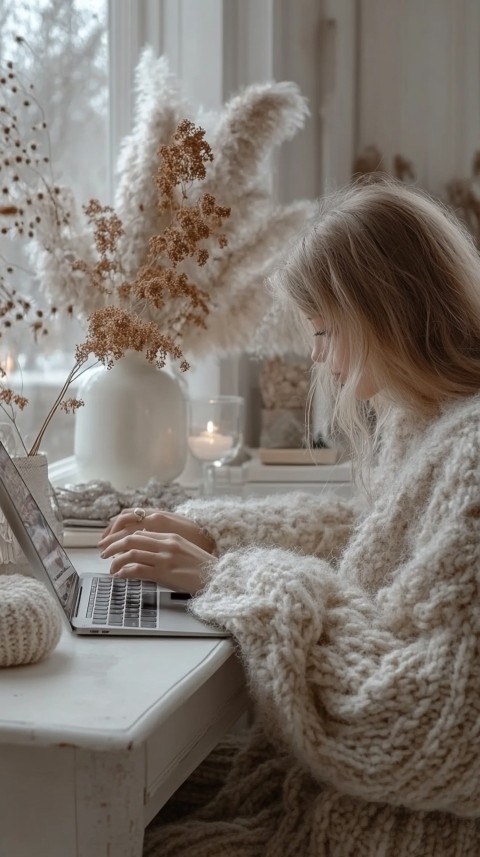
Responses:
[98,500]
[359,626]
[30,623]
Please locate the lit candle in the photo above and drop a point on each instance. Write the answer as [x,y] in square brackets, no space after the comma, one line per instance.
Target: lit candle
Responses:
[8,363]
[210,445]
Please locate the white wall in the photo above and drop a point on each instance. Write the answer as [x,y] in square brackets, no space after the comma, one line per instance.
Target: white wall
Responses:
[412,85]
[420,83]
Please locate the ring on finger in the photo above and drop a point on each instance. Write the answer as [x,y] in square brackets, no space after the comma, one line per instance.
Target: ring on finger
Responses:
[139,513]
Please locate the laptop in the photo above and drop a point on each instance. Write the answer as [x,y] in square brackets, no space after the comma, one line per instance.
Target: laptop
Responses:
[92,603]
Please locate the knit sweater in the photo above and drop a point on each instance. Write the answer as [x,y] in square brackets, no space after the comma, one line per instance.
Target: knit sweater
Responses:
[359,628]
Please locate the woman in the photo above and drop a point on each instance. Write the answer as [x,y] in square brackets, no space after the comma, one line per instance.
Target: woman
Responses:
[358,621]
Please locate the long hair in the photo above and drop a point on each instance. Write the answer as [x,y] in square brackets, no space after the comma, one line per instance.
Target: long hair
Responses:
[399,275]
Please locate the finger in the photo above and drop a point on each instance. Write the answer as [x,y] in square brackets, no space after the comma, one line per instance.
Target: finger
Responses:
[114,537]
[141,539]
[127,517]
[115,543]
[136,571]
[114,523]
[130,525]
[133,557]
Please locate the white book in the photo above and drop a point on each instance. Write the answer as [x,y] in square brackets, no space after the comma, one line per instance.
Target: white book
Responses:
[255,471]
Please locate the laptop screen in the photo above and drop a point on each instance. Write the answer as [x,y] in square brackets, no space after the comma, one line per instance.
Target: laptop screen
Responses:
[33,531]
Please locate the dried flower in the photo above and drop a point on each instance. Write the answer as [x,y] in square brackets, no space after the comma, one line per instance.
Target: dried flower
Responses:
[150,272]
[243,136]
[159,284]
[117,322]
[25,178]
[118,326]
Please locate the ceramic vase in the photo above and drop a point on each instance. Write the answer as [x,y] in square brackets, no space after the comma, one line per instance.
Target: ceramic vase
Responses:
[34,472]
[132,426]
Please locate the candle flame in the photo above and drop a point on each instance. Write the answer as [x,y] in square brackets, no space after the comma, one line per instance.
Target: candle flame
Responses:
[210,427]
[8,364]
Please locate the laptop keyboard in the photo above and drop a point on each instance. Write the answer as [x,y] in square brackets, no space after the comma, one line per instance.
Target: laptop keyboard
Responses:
[124,603]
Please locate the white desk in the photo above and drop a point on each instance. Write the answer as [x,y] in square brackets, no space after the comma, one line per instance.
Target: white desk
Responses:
[94,740]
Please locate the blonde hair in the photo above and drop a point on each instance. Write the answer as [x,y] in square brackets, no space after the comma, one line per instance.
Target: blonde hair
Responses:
[399,275]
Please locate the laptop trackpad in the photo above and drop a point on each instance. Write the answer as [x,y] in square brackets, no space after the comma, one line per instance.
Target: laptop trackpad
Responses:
[170,600]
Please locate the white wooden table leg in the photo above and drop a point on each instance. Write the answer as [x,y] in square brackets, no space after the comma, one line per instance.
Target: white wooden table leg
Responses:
[68,802]
[109,803]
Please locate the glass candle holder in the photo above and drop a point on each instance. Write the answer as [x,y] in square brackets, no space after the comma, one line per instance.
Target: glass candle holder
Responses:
[215,432]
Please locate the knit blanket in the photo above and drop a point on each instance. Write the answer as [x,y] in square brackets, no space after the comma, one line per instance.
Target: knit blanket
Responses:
[98,500]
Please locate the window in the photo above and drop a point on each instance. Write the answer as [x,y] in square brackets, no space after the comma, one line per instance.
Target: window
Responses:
[63,53]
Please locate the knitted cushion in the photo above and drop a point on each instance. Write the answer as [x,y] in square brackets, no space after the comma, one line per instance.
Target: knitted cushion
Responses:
[30,623]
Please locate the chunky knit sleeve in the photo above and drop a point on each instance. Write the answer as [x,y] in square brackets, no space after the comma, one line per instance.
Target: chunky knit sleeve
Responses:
[376,688]
[314,525]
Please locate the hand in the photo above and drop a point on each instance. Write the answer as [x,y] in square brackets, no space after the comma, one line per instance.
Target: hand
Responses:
[166,558]
[155,522]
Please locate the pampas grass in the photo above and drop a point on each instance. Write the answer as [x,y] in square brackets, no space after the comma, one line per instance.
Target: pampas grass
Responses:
[243,137]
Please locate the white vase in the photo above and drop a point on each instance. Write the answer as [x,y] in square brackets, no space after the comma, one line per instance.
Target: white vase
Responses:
[34,472]
[132,426]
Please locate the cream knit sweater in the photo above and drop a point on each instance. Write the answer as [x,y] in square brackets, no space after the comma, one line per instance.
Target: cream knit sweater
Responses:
[360,635]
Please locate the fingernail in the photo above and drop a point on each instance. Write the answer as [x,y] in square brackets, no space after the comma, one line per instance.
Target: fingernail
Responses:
[102,555]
